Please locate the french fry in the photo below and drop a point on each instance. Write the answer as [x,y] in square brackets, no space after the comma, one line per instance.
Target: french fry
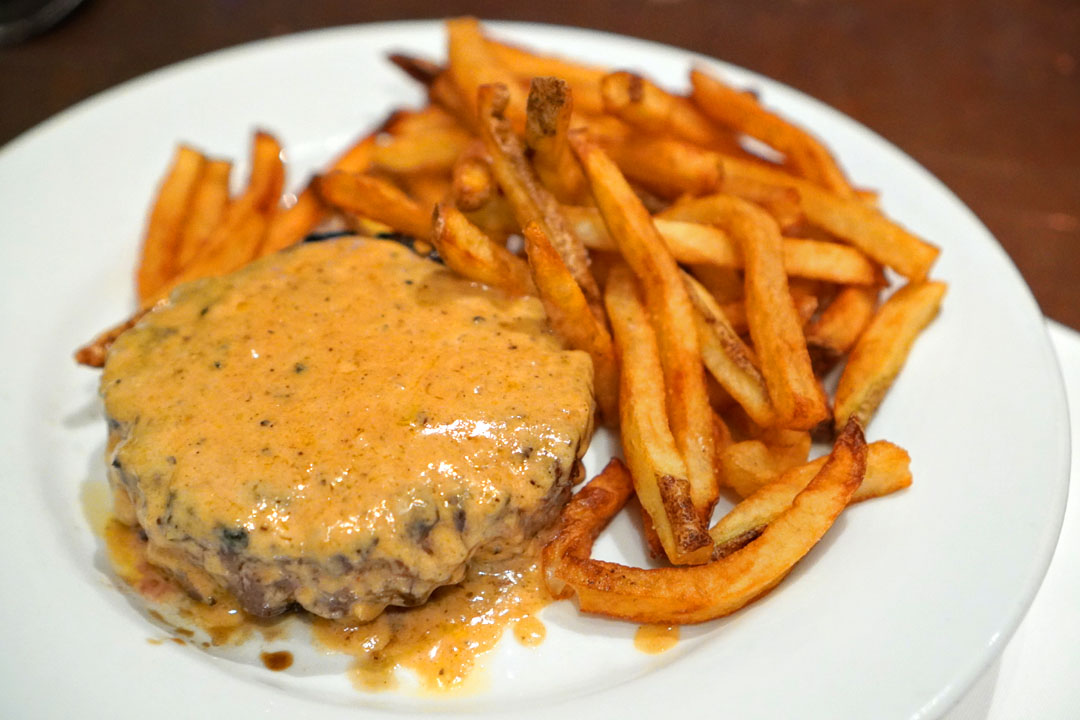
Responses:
[888,470]
[408,123]
[237,238]
[431,150]
[427,189]
[208,203]
[570,316]
[727,358]
[883,348]
[735,311]
[375,198]
[666,296]
[742,112]
[93,353]
[659,471]
[472,183]
[469,252]
[162,238]
[525,64]
[528,198]
[668,167]
[703,592]
[851,220]
[496,218]
[472,65]
[780,201]
[834,332]
[291,225]
[752,463]
[546,123]
[774,326]
[725,284]
[642,104]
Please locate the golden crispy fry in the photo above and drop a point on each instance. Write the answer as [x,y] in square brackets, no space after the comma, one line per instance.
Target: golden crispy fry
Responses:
[741,111]
[883,347]
[445,93]
[642,104]
[851,220]
[162,239]
[472,184]
[570,316]
[431,150]
[700,593]
[528,198]
[725,284]
[208,203]
[237,238]
[735,311]
[427,189]
[526,65]
[546,123]
[887,471]
[782,202]
[666,166]
[377,199]
[669,305]
[291,225]
[413,123]
[658,469]
[496,218]
[834,332]
[770,312]
[729,360]
[469,252]
[472,65]
[753,463]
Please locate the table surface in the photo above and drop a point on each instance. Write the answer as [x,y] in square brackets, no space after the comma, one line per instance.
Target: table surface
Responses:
[984,93]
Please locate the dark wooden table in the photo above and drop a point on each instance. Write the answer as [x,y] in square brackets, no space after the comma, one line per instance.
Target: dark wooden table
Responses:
[985,93]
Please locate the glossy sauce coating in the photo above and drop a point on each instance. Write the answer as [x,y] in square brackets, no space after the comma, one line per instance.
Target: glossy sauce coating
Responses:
[345,420]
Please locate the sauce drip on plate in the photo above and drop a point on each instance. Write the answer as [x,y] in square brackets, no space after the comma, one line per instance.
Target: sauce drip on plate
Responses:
[655,639]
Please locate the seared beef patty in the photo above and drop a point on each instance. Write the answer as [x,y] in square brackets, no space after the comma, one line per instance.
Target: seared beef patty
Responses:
[343,425]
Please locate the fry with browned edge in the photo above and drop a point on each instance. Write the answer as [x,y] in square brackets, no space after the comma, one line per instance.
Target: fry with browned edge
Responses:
[703,592]
[570,316]
[659,471]
[689,412]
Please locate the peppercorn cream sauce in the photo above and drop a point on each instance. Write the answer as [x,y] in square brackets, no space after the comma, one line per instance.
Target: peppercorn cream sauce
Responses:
[345,418]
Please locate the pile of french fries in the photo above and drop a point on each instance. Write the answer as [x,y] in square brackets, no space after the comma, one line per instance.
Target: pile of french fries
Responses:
[713,286]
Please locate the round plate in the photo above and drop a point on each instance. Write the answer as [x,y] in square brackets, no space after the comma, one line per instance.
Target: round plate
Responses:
[891,616]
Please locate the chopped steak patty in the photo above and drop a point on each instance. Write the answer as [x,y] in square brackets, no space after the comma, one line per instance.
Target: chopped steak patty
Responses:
[342,425]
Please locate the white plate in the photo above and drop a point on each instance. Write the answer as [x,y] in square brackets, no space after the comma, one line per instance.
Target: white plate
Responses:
[897,611]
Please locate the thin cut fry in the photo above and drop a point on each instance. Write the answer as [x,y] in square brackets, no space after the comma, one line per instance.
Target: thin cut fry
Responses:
[469,252]
[729,360]
[237,238]
[570,316]
[530,201]
[669,305]
[834,332]
[703,592]
[377,199]
[775,327]
[666,166]
[427,151]
[883,348]
[472,65]
[472,183]
[162,239]
[584,80]
[658,470]
[290,226]
[208,203]
[850,220]
[642,104]
[547,121]
[742,112]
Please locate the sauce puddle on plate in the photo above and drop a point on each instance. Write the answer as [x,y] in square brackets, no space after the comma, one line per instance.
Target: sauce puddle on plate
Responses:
[441,641]
[655,639]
